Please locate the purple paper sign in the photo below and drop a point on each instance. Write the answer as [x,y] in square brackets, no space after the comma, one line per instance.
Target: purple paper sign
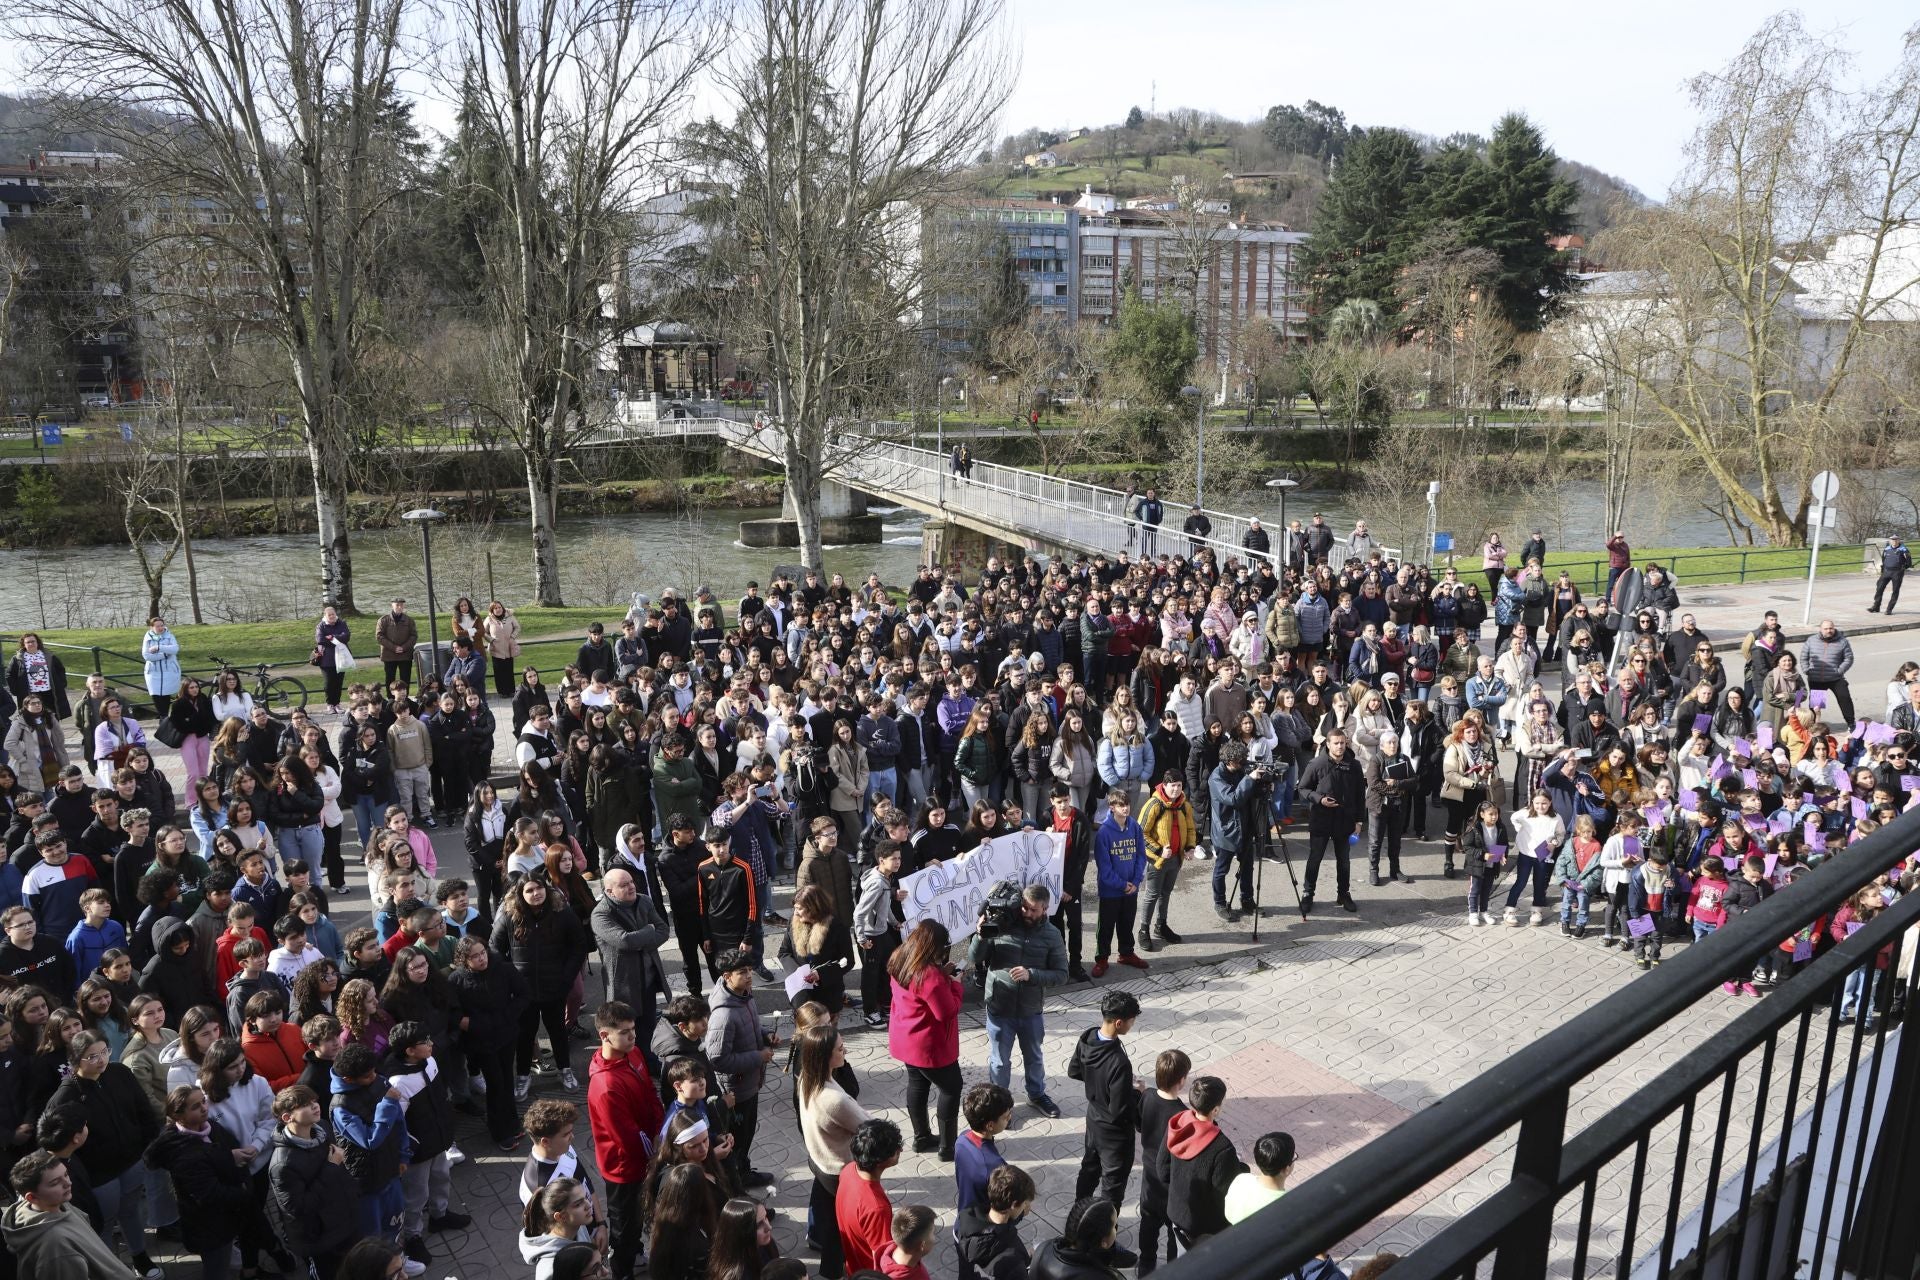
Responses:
[1859,729]
[1909,782]
[1749,779]
[1720,769]
[1687,802]
[1754,822]
[1802,950]
[1630,846]
[1879,735]
[1859,808]
[1773,860]
[1741,747]
[1703,724]
[1764,735]
[1496,852]
[1780,821]
[1817,841]
[1818,698]
[1640,926]
[1853,927]
[1655,815]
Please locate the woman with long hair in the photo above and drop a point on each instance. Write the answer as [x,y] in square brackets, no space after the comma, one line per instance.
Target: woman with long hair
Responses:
[315,989]
[36,671]
[240,1100]
[1124,759]
[565,874]
[200,1026]
[559,1214]
[293,811]
[1032,773]
[115,735]
[817,940]
[1074,759]
[120,1124]
[923,1031]
[486,830]
[193,717]
[101,1012]
[208,1165]
[1468,767]
[684,1218]
[829,1118]
[688,1142]
[977,757]
[37,742]
[546,944]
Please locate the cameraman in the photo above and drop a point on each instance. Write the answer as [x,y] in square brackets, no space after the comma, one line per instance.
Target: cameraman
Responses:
[1233,795]
[1335,791]
[1022,955]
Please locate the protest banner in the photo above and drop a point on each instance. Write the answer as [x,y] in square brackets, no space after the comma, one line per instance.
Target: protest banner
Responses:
[954,891]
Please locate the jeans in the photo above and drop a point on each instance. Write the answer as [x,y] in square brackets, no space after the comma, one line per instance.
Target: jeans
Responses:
[425,1186]
[1850,995]
[1115,913]
[1223,861]
[1538,870]
[124,1200]
[881,782]
[923,1080]
[1002,1030]
[1156,893]
[1574,904]
[1283,790]
[306,843]
[1384,834]
[1478,886]
[1318,846]
[366,816]
[1701,929]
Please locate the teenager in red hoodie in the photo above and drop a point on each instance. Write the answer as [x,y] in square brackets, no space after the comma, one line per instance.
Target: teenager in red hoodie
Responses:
[271,1043]
[624,1111]
[1199,1164]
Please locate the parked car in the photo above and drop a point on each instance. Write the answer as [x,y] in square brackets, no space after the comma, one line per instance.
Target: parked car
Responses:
[96,400]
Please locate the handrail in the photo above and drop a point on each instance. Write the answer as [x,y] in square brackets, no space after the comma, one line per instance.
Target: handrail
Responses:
[1335,1203]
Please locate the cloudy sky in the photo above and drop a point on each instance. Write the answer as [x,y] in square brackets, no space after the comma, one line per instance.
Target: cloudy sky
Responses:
[1607,83]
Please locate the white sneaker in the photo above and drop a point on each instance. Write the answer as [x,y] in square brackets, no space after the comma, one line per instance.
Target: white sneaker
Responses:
[1539,916]
[568,1081]
[1510,917]
[1473,918]
[522,1087]
[412,1268]
[454,1154]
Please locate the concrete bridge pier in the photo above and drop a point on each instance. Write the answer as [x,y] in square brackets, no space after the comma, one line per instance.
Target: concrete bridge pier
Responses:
[955,548]
[843,519]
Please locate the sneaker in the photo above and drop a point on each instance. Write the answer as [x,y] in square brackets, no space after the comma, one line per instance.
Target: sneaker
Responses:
[1609,941]
[1539,917]
[1566,928]
[410,1268]
[511,1144]
[1403,877]
[875,1020]
[1579,932]
[1077,972]
[1731,988]
[1473,918]
[449,1221]
[761,972]
[431,825]
[1045,1106]
[477,1085]
[1099,968]
[1133,962]
[855,1002]
[569,1081]
[1168,935]
[757,1178]
[1306,904]
[1146,942]
[1747,989]
[454,1154]
[416,1248]
[1122,1258]
[1644,963]
[1226,915]
[522,1086]
[1511,918]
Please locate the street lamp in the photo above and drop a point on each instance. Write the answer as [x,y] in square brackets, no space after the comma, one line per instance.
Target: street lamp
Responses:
[1284,483]
[1193,393]
[426,518]
[940,439]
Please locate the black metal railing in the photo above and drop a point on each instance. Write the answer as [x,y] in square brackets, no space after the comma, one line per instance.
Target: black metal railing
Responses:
[1780,1145]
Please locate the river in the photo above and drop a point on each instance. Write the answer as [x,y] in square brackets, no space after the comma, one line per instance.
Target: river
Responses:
[606,558]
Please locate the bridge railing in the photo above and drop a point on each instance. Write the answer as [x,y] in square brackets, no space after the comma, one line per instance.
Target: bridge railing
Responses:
[1780,1145]
[1057,509]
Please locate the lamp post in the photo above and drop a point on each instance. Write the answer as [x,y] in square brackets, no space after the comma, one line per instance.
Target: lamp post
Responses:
[426,518]
[1284,483]
[940,439]
[1193,393]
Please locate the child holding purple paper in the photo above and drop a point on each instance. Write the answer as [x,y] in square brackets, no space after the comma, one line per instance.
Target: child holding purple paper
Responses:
[1622,852]
[1650,886]
[1707,905]
[1483,854]
[1538,834]
[1744,894]
[1859,911]
[1579,871]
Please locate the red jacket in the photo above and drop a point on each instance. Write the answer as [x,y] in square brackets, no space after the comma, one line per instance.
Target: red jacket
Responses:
[224,965]
[923,1027]
[623,1108]
[279,1058]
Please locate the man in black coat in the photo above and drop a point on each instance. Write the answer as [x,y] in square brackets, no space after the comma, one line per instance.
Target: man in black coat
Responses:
[1335,791]
[628,928]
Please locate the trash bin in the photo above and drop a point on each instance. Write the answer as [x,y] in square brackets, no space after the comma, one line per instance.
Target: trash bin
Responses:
[430,660]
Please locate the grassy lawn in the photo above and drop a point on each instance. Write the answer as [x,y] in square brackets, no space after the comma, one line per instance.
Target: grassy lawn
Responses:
[549,636]
[1696,566]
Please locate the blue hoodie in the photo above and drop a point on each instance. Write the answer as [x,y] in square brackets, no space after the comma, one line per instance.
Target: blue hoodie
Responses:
[1120,855]
[376,1135]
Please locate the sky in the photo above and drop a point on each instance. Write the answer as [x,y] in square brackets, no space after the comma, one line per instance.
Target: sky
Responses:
[1606,84]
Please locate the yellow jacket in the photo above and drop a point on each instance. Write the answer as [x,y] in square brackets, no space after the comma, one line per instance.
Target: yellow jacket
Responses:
[1161,822]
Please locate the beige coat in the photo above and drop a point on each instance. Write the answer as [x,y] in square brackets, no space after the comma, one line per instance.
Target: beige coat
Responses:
[502,635]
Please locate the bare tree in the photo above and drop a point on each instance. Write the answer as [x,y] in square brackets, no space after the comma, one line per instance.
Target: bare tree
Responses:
[273,110]
[570,99]
[850,117]
[1773,270]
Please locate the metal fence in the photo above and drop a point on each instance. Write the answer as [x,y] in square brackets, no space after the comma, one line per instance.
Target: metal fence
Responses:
[1782,1145]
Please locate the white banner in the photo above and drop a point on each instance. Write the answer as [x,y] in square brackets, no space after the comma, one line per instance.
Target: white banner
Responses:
[954,892]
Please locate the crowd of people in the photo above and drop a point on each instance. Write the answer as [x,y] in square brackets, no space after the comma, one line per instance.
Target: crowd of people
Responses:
[192,1045]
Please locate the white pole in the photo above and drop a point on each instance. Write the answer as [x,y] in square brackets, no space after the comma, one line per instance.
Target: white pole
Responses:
[1813,562]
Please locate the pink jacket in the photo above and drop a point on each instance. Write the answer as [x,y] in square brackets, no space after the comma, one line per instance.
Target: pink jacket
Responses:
[923,1028]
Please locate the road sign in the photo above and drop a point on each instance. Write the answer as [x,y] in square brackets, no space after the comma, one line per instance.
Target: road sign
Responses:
[1824,517]
[49,433]
[126,432]
[1826,487]
[1442,542]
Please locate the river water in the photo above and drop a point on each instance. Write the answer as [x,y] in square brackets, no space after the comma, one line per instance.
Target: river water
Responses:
[606,558]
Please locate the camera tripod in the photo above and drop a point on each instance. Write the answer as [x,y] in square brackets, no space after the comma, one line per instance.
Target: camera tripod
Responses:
[1263,845]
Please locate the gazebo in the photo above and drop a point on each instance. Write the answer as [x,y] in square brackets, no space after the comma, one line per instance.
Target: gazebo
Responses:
[669,358]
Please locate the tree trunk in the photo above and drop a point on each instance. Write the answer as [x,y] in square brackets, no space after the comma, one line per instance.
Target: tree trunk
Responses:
[543,501]
[180,515]
[803,495]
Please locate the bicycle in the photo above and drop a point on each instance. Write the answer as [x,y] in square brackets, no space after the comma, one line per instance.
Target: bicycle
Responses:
[280,695]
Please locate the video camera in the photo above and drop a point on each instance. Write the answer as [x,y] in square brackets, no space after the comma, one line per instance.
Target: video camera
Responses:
[1001,910]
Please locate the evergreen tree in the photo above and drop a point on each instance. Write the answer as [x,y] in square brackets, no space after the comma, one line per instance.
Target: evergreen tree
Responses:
[1366,220]
[1525,202]
[1155,343]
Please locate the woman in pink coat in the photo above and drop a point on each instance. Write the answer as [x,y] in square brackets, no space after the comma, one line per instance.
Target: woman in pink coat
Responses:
[924,1031]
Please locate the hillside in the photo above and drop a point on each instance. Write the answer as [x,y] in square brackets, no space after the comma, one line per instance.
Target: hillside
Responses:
[1144,160]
